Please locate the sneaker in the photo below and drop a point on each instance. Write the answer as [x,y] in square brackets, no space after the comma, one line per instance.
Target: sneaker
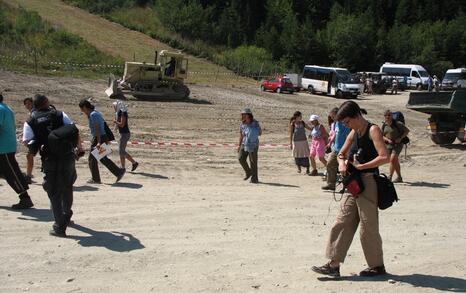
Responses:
[123,171]
[134,167]
[313,173]
[328,187]
[24,203]
[55,233]
[92,181]
[326,269]
[398,180]
[372,272]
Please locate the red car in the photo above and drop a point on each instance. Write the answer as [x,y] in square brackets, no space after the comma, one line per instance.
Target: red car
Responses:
[278,84]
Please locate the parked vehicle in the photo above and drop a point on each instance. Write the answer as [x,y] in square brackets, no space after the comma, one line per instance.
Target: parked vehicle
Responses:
[331,81]
[381,82]
[295,79]
[454,78]
[278,84]
[416,76]
[447,113]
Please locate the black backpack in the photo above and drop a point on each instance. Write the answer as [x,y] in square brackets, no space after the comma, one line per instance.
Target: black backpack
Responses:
[398,116]
[63,140]
[386,192]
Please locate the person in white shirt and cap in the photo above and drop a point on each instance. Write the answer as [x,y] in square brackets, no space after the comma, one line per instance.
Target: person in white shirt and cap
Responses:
[319,138]
[248,145]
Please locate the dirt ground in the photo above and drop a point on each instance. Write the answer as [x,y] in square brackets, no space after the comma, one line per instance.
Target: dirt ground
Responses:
[185,221]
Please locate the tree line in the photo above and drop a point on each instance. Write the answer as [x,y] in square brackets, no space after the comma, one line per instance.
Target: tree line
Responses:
[287,34]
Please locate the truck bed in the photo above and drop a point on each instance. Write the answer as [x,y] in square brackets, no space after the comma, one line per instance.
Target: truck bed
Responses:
[446,102]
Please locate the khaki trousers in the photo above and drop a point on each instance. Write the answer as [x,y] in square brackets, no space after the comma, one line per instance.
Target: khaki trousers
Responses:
[332,169]
[354,211]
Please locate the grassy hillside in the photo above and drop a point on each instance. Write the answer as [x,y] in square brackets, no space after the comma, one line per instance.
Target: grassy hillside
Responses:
[29,44]
[114,39]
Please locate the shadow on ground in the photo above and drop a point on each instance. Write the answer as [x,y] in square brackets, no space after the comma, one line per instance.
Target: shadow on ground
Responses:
[84,188]
[427,184]
[127,185]
[38,215]
[441,283]
[150,175]
[278,184]
[115,241]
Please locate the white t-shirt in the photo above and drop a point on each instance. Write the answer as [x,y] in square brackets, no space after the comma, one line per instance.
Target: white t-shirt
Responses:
[28,134]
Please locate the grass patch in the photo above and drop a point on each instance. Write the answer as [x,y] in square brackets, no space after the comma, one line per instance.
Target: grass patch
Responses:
[30,45]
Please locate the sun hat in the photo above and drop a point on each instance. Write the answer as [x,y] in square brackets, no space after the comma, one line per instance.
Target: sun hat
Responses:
[313,117]
[246,111]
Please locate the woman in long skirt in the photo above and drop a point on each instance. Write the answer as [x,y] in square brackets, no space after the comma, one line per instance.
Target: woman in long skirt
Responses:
[298,141]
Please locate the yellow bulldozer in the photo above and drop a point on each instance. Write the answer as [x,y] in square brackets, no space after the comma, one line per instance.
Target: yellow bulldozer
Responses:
[162,80]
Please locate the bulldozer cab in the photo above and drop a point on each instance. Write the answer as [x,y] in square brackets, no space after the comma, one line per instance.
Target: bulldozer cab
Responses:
[173,65]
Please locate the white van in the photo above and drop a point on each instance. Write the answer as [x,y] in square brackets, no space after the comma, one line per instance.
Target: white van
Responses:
[415,75]
[454,78]
[332,81]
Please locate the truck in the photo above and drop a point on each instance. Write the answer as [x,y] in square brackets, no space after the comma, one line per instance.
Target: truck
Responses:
[295,80]
[447,112]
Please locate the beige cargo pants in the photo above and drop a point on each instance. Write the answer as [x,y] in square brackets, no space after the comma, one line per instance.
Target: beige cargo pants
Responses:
[354,211]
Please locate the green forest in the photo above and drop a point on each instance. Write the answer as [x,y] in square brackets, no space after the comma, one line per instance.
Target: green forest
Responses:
[261,36]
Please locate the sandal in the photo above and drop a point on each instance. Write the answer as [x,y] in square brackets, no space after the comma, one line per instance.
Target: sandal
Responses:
[372,272]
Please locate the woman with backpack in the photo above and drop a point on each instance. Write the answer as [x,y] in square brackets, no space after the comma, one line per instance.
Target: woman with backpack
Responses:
[394,133]
[121,122]
[360,210]
[99,137]
[319,138]
[298,141]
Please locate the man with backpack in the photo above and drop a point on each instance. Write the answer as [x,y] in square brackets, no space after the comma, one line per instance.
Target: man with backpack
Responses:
[395,135]
[56,137]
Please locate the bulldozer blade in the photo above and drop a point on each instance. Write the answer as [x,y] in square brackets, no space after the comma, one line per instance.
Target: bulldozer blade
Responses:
[112,89]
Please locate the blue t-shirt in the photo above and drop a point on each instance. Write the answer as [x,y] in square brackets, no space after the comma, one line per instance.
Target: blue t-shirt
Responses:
[341,132]
[250,134]
[96,117]
[7,130]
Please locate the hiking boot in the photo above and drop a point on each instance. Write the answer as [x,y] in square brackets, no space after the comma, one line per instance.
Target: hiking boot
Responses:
[56,233]
[398,180]
[326,269]
[134,166]
[25,202]
[328,187]
[313,173]
[372,272]
[122,173]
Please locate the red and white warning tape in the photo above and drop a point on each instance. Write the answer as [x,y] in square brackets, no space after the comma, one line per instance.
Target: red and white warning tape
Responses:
[194,144]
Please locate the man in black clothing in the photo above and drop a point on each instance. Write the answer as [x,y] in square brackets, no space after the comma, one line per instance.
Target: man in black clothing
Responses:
[58,166]
[9,168]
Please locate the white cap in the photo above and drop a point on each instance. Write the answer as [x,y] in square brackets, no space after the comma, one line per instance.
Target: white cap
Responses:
[246,111]
[313,118]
